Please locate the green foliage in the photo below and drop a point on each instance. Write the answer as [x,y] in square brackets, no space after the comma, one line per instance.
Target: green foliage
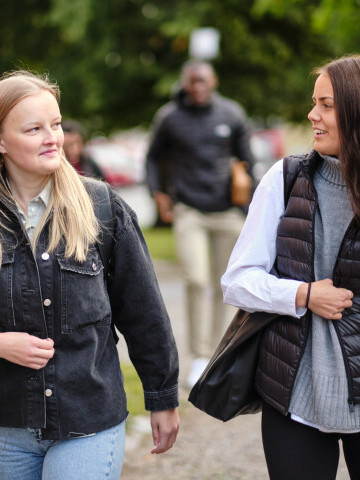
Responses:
[116,61]
[336,20]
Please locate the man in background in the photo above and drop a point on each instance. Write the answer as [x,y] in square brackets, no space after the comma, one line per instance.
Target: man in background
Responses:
[74,140]
[196,139]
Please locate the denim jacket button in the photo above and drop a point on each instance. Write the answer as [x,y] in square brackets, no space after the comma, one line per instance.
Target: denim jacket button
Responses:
[94,266]
[45,256]
[47,302]
[48,392]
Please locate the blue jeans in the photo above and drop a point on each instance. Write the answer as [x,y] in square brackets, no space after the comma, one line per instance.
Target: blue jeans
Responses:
[24,455]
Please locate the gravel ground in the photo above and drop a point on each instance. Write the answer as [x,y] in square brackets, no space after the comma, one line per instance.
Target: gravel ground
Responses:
[206,449]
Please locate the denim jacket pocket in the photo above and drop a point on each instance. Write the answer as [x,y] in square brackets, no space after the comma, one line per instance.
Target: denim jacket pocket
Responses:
[7,317]
[84,298]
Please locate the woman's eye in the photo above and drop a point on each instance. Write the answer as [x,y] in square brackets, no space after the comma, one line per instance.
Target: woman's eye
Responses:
[34,129]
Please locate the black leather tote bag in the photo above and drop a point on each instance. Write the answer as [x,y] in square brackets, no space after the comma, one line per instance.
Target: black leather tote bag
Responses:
[227,386]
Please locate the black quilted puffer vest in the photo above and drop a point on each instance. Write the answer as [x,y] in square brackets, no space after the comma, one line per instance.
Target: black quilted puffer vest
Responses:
[284,340]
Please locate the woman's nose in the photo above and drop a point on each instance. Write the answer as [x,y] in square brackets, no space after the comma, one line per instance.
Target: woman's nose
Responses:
[49,136]
[314,114]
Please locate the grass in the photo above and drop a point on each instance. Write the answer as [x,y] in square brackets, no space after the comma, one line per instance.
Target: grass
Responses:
[134,392]
[161,243]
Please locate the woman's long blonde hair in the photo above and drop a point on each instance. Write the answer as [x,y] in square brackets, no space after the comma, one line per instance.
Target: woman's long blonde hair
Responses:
[70,208]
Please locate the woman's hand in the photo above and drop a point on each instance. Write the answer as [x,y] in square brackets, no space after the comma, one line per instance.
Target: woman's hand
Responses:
[325,300]
[165,427]
[26,350]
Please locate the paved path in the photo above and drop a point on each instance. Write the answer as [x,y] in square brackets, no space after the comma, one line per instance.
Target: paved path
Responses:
[206,449]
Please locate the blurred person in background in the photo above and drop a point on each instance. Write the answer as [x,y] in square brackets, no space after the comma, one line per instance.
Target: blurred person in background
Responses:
[298,255]
[62,399]
[196,139]
[74,141]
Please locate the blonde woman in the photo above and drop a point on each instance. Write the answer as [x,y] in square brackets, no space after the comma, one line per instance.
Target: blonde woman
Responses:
[62,401]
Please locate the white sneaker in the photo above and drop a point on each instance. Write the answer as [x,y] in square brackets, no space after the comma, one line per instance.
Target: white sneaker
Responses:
[198,366]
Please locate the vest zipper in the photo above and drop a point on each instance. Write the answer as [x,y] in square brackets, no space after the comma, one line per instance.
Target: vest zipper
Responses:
[351,401]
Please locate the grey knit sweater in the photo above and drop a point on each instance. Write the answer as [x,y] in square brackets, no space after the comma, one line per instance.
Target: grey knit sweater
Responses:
[320,392]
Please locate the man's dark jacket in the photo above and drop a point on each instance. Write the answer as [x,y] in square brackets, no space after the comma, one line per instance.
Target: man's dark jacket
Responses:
[284,340]
[195,145]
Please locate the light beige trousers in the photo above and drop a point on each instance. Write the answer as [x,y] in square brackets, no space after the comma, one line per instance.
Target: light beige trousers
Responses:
[204,244]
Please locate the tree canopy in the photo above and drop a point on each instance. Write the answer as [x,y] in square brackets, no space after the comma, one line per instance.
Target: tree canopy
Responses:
[117,60]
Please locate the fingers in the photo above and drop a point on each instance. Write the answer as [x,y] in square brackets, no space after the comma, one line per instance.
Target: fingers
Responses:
[45,348]
[164,442]
[165,427]
[328,301]
[36,364]
[164,446]
[26,350]
[35,360]
[345,299]
[42,349]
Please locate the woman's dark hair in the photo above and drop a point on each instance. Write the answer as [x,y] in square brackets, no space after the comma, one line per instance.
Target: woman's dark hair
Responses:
[344,74]
[72,126]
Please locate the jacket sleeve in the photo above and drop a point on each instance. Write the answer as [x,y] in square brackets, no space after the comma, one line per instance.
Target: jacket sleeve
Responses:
[156,155]
[241,138]
[140,315]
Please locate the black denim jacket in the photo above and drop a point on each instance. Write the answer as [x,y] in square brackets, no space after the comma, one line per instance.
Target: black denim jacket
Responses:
[80,391]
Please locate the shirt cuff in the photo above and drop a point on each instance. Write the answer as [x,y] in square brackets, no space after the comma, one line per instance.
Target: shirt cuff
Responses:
[162,400]
[285,295]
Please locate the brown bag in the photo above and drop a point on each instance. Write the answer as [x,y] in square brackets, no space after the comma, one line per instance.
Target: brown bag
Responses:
[241,184]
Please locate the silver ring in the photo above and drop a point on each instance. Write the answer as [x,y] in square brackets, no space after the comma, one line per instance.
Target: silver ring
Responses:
[349,293]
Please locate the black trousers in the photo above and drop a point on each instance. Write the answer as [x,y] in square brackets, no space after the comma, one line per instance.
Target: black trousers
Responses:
[294,451]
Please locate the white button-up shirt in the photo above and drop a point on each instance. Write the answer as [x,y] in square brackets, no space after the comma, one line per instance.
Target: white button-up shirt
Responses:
[247,282]
[36,209]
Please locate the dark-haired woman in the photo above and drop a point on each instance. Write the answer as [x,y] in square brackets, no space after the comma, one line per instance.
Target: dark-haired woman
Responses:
[299,256]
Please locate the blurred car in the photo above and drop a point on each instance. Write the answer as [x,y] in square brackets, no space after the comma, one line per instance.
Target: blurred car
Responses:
[115,162]
[124,171]
[267,146]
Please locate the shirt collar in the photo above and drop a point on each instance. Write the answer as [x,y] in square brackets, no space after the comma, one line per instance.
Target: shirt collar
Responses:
[44,195]
[46,192]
